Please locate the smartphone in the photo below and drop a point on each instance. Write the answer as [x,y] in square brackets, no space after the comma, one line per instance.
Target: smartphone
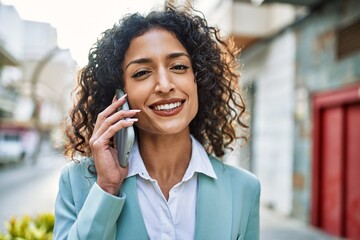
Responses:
[124,139]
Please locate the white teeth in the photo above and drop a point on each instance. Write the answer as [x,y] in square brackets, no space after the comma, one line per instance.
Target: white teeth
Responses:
[167,107]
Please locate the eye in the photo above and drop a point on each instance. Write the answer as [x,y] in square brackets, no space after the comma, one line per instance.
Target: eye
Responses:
[179,67]
[140,73]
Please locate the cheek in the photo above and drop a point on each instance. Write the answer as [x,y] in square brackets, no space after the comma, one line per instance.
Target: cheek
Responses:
[136,100]
[137,94]
[195,100]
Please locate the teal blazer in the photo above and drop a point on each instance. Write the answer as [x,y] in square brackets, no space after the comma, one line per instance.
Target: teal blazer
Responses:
[227,207]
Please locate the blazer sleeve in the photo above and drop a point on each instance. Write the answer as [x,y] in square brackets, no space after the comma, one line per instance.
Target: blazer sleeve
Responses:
[253,226]
[97,217]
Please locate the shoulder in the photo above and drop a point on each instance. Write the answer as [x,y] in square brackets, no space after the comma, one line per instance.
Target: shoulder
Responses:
[237,175]
[75,182]
[77,172]
[77,166]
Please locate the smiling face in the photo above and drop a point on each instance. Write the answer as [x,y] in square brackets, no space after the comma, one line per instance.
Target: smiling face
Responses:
[159,81]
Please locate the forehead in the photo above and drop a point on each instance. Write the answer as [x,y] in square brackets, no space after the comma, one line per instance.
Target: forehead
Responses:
[152,43]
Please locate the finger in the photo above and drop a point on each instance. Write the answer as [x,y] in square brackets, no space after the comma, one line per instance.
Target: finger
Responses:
[103,140]
[113,107]
[124,123]
[114,99]
[113,119]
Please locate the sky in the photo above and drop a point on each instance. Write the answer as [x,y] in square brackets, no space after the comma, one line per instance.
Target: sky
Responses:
[79,22]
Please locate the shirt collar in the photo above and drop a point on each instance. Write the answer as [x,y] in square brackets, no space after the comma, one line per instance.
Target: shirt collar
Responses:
[199,162]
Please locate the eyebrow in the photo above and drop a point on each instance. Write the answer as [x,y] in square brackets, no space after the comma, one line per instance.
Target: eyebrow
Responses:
[147,60]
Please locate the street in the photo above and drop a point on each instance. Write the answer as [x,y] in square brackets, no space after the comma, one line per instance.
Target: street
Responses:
[276,227]
[28,189]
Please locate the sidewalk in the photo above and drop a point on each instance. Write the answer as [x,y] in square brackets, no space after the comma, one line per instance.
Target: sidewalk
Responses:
[18,173]
[29,189]
[273,226]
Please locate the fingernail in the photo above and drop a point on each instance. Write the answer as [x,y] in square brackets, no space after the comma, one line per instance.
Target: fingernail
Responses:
[123,96]
[135,110]
[131,119]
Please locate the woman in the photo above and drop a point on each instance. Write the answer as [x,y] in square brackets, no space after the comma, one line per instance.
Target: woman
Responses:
[181,83]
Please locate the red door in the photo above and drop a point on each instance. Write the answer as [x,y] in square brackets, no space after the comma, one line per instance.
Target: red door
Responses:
[336,162]
[331,170]
[352,227]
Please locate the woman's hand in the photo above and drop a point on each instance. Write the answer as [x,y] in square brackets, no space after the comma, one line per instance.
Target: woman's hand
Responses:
[109,172]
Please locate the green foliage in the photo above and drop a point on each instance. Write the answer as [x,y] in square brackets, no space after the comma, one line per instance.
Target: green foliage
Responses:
[30,228]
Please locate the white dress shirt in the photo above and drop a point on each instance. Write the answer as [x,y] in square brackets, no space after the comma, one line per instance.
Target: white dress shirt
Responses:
[175,218]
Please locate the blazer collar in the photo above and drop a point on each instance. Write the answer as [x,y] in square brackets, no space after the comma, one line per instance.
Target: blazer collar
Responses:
[131,223]
[214,206]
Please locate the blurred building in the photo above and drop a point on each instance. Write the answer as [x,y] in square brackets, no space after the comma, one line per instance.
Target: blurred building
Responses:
[35,76]
[301,76]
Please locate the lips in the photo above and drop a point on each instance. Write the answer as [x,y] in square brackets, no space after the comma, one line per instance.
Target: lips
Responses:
[167,107]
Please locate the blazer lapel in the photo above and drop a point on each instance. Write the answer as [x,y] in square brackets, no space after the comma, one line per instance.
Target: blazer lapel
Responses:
[214,206]
[131,223]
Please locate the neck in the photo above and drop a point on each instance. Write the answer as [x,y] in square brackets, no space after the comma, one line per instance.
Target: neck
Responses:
[166,157]
[165,153]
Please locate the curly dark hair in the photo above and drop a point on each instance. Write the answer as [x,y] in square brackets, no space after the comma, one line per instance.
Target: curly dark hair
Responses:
[215,65]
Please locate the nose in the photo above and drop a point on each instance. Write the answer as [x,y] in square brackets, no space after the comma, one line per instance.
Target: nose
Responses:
[163,82]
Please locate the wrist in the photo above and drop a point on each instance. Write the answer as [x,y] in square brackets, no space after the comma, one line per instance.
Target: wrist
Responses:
[109,188]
